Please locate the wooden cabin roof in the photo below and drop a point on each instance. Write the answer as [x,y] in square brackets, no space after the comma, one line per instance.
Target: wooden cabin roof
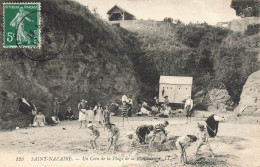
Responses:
[117,7]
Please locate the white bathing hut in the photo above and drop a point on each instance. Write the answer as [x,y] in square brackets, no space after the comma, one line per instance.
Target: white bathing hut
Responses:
[177,88]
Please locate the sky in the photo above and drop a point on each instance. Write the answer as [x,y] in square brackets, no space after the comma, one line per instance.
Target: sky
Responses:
[210,11]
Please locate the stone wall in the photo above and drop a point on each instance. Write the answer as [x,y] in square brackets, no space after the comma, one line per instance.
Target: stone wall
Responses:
[239,25]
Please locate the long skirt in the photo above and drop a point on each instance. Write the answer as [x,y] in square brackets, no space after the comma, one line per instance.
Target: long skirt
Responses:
[82,116]
[99,115]
[90,115]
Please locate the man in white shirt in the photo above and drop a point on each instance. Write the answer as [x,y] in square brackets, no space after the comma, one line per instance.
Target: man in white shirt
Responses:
[188,108]
[124,98]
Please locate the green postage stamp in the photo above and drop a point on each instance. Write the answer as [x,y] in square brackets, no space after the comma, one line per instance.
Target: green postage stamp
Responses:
[21,25]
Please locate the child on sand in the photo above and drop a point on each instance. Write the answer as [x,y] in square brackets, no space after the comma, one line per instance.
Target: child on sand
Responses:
[134,144]
[142,132]
[99,113]
[90,115]
[159,130]
[113,136]
[182,143]
[95,135]
[203,139]
[106,114]
[124,108]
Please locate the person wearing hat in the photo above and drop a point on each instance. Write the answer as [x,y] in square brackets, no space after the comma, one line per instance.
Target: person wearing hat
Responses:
[113,136]
[203,139]
[156,106]
[69,114]
[142,132]
[56,106]
[95,136]
[159,130]
[188,108]
[182,144]
[156,101]
[129,135]
[166,102]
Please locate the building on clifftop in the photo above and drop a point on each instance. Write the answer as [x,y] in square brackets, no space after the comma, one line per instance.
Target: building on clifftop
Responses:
[117,13]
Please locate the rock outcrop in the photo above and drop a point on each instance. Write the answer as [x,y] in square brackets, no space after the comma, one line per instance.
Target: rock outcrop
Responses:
[218,100]
[249,99]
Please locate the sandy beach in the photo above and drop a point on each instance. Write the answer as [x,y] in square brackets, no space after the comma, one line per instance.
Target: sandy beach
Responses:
[66,144]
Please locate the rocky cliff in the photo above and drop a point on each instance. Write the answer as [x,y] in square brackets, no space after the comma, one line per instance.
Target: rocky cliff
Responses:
[96,63]
[249,99]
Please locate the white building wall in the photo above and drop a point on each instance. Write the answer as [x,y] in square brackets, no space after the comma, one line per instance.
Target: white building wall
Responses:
[175,93]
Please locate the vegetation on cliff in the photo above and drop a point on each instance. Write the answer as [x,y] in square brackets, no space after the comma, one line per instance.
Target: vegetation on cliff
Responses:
[213,56]
[246,8]
[100,62]
[95,64]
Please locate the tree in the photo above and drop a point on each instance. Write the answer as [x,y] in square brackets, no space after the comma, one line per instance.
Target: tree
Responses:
[168,20]
[252,29]
[95,13]
[246,8]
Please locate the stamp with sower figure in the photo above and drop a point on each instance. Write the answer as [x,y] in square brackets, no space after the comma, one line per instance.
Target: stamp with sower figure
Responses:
[21,25]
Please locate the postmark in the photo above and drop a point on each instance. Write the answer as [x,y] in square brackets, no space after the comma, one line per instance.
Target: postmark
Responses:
[53,38]
[21,25]
[39,35]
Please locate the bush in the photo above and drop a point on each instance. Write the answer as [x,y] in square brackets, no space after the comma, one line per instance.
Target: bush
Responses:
[252,29]
[214,57]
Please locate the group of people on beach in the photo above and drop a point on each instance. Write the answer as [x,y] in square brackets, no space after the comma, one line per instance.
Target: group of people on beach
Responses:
[101,115]
[164,110]
[113,136]
[182,142]
[94,117]
[139,137]
[88,114]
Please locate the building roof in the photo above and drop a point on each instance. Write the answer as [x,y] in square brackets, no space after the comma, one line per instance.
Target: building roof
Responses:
[123,10]
[177,80]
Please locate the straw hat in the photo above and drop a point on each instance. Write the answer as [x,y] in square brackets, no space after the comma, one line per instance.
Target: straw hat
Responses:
[89,125]
[129,134]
